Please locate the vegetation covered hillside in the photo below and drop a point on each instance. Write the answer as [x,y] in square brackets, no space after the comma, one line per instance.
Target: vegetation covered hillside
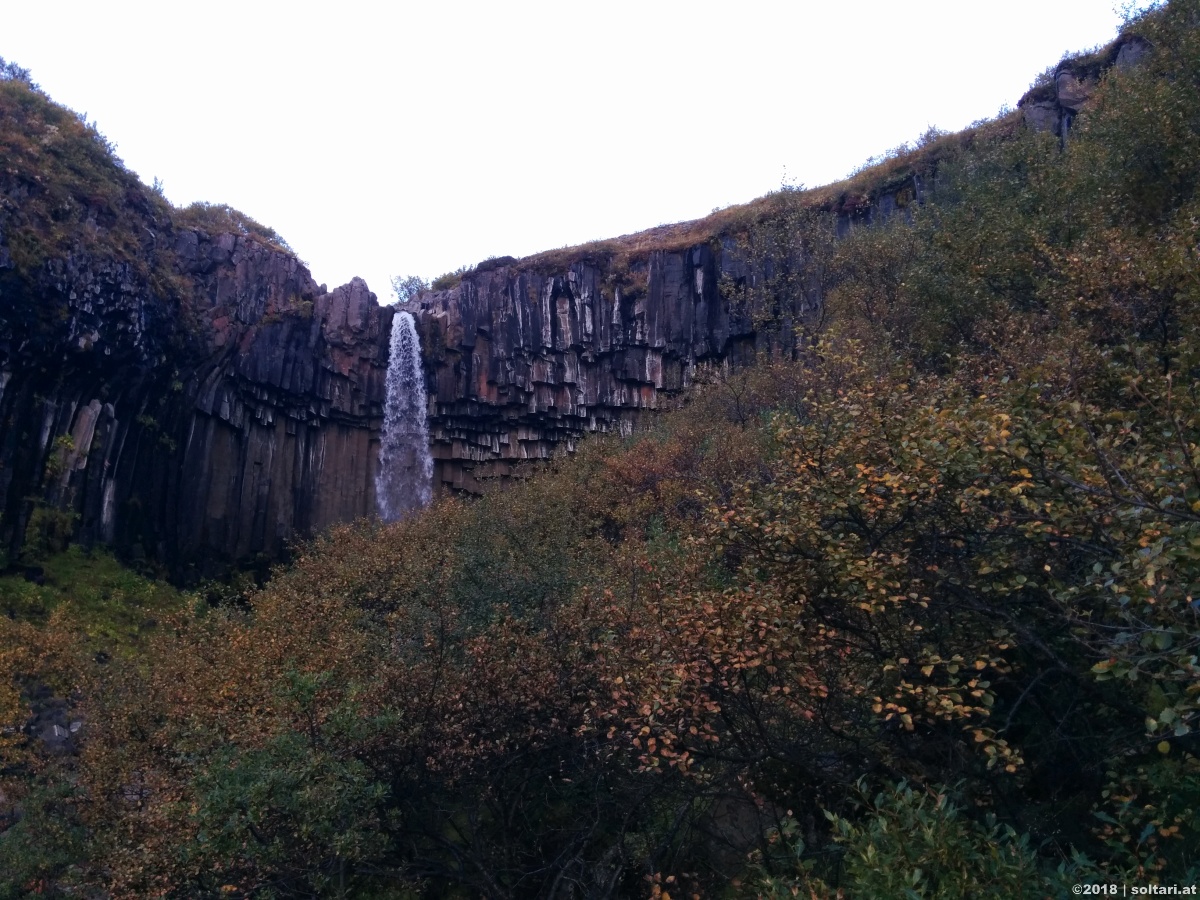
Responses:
[913,616]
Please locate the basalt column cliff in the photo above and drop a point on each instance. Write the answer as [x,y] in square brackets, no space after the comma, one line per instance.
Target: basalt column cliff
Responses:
[173,382]
[255,425]
[523,361]
[283,428]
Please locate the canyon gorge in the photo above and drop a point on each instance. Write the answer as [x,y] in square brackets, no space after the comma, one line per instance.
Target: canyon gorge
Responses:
[180,387]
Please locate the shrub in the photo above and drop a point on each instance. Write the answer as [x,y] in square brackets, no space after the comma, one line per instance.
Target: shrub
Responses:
[407,287]
[49,531]
[217,218]
[919,844]
[450,279]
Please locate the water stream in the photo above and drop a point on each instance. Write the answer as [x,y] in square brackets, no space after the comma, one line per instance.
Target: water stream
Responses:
[404,481]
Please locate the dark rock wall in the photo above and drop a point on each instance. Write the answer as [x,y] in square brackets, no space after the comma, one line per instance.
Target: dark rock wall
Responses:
[1053,106]
[523,363]
[282,434]
[200,422]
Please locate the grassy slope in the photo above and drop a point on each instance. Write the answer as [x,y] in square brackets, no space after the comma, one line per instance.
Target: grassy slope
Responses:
[63,190]
[111,604]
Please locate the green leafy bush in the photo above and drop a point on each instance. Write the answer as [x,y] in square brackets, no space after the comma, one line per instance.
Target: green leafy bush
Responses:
[918,844]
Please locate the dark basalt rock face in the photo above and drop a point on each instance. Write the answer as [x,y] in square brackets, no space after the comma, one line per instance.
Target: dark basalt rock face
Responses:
[202,419]
[282,433]
[172,382]
[522,363]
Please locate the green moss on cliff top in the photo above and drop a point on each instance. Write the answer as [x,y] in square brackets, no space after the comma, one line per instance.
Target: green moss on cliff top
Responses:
[62,186]
[217,218]
[63,189]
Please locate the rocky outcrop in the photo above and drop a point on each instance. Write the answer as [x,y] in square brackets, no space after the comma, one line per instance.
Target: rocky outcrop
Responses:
[282,433]
[210,419]
[524,357]
[173,382]
[1052,106]
[522,363]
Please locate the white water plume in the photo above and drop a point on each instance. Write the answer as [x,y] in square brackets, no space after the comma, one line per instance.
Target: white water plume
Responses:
[404,481]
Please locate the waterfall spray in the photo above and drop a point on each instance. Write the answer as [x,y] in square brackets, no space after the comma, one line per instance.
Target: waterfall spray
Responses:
[404,481]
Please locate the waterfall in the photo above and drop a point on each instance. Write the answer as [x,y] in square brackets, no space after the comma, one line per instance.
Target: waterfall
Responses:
[404,481]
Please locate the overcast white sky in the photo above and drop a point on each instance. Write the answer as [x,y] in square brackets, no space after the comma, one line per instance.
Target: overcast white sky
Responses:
[413,138]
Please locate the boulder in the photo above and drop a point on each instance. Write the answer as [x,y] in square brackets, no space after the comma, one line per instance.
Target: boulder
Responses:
[1072,91]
